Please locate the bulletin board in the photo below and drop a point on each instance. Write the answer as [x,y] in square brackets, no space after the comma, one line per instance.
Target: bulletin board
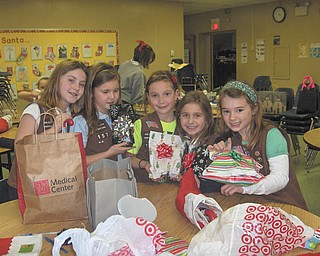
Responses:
[30,54]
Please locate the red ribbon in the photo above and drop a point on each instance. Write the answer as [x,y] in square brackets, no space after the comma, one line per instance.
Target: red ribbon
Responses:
[188,160]
[174,80]
[142,44]
[164,151]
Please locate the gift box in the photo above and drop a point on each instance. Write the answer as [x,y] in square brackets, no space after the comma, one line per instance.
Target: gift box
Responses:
[123,118]
[234,168]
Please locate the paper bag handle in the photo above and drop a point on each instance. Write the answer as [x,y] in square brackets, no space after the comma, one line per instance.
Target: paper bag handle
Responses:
[311,84]
[54,123]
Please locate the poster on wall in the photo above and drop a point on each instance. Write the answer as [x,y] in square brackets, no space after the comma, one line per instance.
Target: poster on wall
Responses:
[244,53]
[30,53]
[36,52]
[315,50]
[110,50]
[303,50]
[9,53]
[260,50]
[86,50]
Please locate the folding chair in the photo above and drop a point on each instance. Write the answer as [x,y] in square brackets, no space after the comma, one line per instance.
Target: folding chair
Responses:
[262,83]
[297,124]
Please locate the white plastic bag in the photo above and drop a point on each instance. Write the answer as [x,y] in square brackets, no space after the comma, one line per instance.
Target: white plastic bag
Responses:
[250,229]
[134,236]
[195,206]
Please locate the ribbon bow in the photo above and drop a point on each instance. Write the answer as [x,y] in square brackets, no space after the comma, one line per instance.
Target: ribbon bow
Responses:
[238,158]
[234,155]
[142,44]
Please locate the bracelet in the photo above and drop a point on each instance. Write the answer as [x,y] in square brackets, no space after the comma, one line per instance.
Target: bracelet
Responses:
[140,163]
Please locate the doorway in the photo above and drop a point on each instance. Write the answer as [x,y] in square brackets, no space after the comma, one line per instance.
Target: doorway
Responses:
[223,61]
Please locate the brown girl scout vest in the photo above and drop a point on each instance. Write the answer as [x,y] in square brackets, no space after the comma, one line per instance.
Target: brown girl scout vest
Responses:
[149,123]
[101,140]
[291,194]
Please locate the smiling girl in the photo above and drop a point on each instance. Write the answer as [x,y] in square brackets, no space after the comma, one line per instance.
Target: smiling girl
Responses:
[64,90]
[95,124]
[242,122]
[161,93]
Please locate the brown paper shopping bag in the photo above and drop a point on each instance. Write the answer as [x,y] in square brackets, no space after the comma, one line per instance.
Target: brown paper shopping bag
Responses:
[51,177]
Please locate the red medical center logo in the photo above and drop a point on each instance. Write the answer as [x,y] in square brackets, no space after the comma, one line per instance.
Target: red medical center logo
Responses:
[41,187]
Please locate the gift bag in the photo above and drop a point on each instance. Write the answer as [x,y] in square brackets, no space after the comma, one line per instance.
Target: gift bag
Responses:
[234,168]
[51,177]
[123,118]
[250,229]
[308,97]
[166,152]
[107,182]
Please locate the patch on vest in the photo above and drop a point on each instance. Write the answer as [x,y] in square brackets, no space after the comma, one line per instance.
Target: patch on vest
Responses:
[152,124]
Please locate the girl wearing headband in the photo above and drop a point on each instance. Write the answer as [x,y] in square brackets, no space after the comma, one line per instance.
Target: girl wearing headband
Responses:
[245,130]
[133,78]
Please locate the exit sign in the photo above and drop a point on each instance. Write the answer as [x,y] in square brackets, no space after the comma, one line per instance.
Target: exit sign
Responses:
[215,24]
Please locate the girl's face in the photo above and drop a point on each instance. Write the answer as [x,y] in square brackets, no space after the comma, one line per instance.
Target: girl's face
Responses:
[237,115]
[192,119]
[71,86]
[162,97]
[105,95]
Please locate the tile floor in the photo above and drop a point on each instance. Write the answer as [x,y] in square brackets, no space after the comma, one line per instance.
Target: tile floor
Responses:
[309,181]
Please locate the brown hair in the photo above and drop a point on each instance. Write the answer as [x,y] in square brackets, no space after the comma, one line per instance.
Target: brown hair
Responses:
[199,98]
[144,54]
[257,123]
[51,95]
[99,74]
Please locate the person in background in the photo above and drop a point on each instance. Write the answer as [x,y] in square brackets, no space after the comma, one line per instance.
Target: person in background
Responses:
[242,123]
[196,125]
[94,122]
[162,94]
[33,95]
[64,91]
[133,78]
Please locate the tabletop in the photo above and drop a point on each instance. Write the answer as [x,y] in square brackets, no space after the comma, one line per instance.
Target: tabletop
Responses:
[312,138]
[10,133]
[168,219]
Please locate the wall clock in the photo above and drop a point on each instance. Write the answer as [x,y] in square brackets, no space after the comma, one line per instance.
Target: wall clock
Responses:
[279,14]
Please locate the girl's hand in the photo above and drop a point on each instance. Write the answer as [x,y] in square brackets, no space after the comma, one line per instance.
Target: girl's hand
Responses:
[120,148]
[230,189]
[59,122]
[221,146]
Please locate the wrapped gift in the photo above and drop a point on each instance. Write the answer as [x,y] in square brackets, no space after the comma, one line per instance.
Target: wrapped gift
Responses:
[234,168]
[123,117]
[166,152]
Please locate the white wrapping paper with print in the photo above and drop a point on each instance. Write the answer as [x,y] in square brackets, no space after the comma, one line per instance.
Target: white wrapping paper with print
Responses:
[250,229]
[165,152]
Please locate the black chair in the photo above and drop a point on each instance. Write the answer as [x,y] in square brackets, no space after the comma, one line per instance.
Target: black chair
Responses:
[297,124]
[4,194]
[262,83]
[289,104]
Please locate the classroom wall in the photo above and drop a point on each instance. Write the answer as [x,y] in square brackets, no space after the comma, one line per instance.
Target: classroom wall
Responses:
[255,22]
[158,23]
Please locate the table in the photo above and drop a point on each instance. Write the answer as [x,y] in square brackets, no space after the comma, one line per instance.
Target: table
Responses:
[168,218]
[312,138]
